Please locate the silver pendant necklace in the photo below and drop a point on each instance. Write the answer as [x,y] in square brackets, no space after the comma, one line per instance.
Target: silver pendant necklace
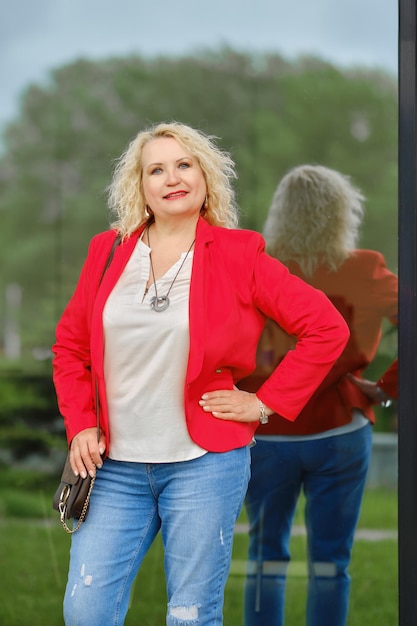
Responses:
[161,303]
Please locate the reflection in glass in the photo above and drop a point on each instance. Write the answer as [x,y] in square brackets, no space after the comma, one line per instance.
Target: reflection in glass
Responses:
[313,226]
[272,114]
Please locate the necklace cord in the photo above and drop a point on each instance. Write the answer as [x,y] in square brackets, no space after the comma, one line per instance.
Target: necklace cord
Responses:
[156,300]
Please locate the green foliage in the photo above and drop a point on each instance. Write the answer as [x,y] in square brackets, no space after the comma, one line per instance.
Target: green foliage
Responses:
[16,396]
[27,481]
[21,441]
[29,419]
[271,114]
[26,494]
[21,505]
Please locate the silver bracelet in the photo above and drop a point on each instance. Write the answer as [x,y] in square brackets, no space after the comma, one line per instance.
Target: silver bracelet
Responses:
[263,418]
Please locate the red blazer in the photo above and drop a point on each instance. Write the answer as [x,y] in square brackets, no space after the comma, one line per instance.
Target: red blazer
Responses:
[234,286]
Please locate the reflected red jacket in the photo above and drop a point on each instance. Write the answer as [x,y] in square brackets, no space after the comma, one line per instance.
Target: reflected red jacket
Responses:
[365,292]
[234,286]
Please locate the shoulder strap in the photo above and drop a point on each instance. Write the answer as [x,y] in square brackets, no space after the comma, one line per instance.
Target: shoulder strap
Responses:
[110,257]
[106,267]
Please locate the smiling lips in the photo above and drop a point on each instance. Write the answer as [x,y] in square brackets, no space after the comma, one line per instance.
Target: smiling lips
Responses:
[175,194]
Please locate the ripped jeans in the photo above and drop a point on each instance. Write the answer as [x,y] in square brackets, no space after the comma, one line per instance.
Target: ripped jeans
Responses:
[194,503]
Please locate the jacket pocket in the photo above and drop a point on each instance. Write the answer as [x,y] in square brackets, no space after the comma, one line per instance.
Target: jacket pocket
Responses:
[220,378]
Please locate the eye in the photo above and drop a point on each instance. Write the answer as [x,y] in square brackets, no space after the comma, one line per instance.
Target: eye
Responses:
[156,170]
[184,165]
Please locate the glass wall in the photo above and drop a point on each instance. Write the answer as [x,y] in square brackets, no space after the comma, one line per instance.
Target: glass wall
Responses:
[273,113]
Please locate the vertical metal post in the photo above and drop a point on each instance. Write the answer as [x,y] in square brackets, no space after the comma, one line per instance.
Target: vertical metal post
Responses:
[407,342]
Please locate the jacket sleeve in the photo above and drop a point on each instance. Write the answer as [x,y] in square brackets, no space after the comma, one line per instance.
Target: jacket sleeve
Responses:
[320,333]
[72,364]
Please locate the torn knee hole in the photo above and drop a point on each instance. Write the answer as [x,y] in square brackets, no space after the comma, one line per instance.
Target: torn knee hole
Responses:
[184,612]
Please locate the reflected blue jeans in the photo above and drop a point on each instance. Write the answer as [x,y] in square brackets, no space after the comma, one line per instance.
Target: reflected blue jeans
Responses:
[332,472]
[194,503]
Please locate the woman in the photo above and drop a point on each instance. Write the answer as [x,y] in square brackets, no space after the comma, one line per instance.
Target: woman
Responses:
[172,326]
[312,227]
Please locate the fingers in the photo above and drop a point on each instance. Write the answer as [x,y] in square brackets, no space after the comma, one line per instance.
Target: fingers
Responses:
[102,443]
[369,388]
[219,403]
[235,404]
[85,452]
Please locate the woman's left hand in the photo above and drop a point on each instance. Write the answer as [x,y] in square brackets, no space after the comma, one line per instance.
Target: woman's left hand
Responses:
[231,404]
[371,390]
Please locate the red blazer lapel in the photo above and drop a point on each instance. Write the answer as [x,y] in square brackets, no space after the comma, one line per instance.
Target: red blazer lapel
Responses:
[197,312]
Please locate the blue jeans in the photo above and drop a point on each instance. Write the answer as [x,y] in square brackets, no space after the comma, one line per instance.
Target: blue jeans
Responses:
[194,503]
[332,471]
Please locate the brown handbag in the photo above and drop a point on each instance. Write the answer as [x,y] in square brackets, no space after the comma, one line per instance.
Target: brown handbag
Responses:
[72,498]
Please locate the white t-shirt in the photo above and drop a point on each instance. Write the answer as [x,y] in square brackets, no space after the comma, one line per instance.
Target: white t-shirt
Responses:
[145,361]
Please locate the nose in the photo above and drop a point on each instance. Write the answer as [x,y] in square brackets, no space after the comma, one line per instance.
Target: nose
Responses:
[172,176]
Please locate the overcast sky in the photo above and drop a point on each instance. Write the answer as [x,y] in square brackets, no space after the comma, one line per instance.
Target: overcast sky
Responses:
[37,35]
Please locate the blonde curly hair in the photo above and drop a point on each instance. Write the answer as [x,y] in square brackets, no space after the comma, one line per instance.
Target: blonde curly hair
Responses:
[314,218]
[125,193]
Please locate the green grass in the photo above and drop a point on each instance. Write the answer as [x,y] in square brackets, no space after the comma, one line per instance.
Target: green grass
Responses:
[34,562]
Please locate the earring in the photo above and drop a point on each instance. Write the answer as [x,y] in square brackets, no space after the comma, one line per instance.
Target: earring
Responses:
[148,211]
[205,205]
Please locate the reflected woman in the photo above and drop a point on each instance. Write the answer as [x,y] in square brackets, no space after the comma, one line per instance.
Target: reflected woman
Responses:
[312,227]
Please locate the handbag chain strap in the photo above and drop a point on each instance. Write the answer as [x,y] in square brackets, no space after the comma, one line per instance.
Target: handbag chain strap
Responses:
[62,507]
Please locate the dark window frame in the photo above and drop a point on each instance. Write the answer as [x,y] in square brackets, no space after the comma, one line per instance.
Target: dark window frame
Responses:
[407,336]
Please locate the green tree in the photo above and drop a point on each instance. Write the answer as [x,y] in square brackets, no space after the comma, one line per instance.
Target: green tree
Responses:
[271,114]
